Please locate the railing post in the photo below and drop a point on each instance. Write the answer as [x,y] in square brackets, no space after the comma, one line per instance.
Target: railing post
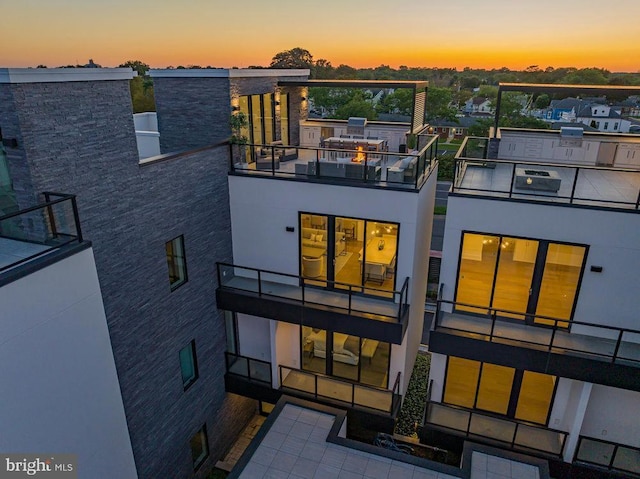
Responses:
[302,291]
[52,219]
[315,377]
[553,336]
[515,433]
[259,284]
[573,188]
[353,394]
[513,176]
[76,218]
[493,324]
[638,201]
[615,351]
[350,296]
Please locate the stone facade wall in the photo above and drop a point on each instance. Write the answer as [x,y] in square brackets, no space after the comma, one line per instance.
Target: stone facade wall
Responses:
[192,112]
[79,138]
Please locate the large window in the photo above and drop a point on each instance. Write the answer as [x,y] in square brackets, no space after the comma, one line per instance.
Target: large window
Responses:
[349,253]
[350,357]
[522,278]
[188,364]
[260,111]
[199,447]
[510,392]
[177,262]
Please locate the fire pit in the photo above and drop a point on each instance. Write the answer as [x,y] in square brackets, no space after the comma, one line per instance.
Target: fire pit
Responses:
[541,180]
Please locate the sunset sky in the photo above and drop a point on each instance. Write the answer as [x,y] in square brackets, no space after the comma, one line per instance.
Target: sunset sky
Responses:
[360,33]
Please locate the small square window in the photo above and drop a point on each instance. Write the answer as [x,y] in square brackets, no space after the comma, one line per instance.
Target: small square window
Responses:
[177,262]
[199,447]
[188,365]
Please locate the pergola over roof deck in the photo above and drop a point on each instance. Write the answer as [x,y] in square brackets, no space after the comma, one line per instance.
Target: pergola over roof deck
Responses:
[419,92]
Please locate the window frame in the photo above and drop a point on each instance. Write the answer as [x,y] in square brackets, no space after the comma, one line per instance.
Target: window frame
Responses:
[194,363]
[200,460]
[173,261]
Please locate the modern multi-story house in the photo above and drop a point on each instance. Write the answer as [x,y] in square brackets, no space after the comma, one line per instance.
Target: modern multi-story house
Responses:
[536,343]
[60,392]
[325,294]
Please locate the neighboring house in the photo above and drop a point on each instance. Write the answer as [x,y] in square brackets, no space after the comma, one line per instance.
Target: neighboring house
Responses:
[563,110]
[447,129]
[478,105]
[60,391]
[536,344]
[603,118]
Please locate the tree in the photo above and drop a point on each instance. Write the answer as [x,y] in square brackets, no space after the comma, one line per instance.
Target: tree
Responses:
[137,66]
[322,69]
[543,101]
[142,96]
[399,102]
[587,76]
[438,104]
[294,58]
[357,106]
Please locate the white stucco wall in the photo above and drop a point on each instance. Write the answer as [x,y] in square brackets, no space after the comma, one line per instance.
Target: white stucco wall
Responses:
[254,337]
[60,391]
[262,209]
[613,415]
[609,297]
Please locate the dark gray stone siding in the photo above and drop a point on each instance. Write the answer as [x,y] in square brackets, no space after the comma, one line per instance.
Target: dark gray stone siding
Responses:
[192,112]
[79,138]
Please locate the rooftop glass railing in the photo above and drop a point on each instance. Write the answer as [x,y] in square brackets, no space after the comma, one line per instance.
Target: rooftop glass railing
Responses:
[555,182]
[33,232]
[341,162]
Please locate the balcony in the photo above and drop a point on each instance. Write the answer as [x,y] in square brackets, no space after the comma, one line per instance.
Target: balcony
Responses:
[298,300]
[33,233]
[494,429]
[343,163]
[573,185]
[588,352]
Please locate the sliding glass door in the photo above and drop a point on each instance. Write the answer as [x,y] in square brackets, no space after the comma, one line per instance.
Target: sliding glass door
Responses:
[521,278]
[349,253]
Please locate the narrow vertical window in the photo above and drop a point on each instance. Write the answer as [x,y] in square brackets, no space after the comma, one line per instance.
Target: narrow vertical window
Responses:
[176,262]
[188,364]
[199,447]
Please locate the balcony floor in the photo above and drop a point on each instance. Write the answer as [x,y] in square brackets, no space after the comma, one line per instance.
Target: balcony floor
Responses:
[595,187]
[383,310]
[12,251]
[539,338]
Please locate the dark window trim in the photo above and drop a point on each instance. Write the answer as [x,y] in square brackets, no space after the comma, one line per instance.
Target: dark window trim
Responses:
[176,284]
[194,359]
[518,375]
[542,243]
[203,429]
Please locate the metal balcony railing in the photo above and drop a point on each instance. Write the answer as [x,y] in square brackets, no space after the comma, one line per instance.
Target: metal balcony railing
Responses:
[290,287]
[42,228]
[249,368]
[601,342]
[321,387]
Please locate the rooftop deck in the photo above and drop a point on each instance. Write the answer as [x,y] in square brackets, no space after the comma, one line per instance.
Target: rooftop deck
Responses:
[347,166]
[576,185]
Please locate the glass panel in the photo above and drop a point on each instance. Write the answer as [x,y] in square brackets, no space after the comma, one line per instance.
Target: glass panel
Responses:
[374,363]
[176,262]
[346,356]
[535,397]
[348,247]
[284,118]
[187,364]
[380,256]
[477,268]
[372,398]
[244,108]
[539,439]
[595,452]
[515,272]
[334,389]
[260,371]
[461,382]
[199,447]
[560,282]
[448,417]
[314,345]
[494,390]
[256,119]
[627,459]
[313,241]
[492,427]
[268,117]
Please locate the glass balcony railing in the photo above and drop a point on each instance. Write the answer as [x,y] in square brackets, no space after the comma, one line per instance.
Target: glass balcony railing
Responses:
[249,368]
[33,232]
[320,387]
[555,182]
[609,455]
[577,338]
[513,433]
[340,296]
[343,162]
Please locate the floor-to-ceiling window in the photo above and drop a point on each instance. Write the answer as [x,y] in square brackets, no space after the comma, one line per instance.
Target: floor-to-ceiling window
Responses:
[349,253]
[518,394]
[284,118]
[357,359]
[260,112]
[521,278]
